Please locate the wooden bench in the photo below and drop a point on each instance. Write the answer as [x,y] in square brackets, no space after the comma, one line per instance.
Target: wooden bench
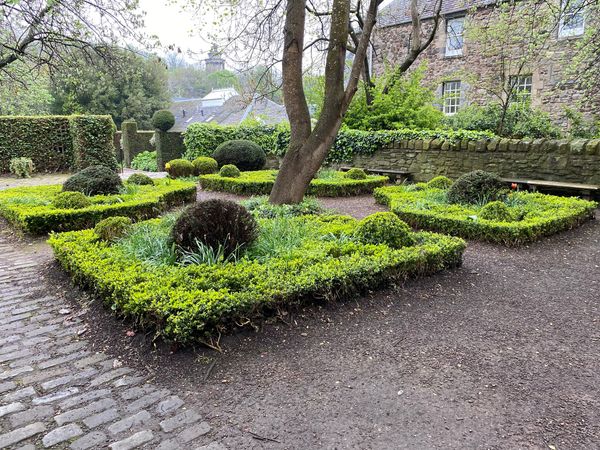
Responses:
[586,190]
[393,175]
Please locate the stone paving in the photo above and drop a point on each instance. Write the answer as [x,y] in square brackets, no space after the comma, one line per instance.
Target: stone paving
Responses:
[56,393]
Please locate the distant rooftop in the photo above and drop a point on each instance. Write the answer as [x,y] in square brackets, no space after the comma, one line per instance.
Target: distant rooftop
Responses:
[398,11]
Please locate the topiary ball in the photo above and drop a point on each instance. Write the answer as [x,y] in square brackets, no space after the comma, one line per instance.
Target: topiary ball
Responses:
[112,228]
[356,174]
[475,187]
[245,155]
[163,120]
[496,211]
[384,228]
[204,165]
[179,168]
[215,223]
[229,171]
[141,179]
[94,180]
[440,182]
[70,200]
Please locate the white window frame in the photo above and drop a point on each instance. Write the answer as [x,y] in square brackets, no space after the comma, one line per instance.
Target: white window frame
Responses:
[522,86]
[570,10]
[451,49]
[451,96]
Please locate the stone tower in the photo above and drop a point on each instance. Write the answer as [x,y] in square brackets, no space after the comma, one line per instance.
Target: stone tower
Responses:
[214,62]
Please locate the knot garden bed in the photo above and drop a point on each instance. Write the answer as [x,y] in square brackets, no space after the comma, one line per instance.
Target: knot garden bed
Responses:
[30,209]
[532,215]
[260,182]
[317,257]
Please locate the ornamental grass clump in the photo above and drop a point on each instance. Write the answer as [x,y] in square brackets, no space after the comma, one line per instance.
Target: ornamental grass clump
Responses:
[356,174]
[384,228]
[177,168]
[140,179]
[22,167]
[218,224]
[440,182]
[476,187]
[94,180]
[71,200]
[229,171]
[112,228]
[204,165]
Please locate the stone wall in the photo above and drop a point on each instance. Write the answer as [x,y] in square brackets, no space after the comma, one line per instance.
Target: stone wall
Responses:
[575,161]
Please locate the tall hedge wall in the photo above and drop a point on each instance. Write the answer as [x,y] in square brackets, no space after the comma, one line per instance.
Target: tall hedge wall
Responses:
[57,143]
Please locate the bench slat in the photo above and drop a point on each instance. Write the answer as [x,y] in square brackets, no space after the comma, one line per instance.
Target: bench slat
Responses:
[558,184]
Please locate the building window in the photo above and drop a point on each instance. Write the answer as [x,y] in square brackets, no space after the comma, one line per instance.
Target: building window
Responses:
[521,86]
[572,20]
[451,93]
[455,28]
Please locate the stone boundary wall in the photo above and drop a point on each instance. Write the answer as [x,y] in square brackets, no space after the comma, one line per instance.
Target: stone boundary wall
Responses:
[576,161]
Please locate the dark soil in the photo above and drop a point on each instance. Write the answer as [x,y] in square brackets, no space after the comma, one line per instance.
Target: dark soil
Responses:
[503,352]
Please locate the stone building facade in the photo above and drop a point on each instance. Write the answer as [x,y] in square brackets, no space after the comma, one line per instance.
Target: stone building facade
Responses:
[461,74]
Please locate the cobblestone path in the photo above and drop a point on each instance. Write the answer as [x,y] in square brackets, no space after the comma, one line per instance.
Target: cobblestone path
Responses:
[56,393]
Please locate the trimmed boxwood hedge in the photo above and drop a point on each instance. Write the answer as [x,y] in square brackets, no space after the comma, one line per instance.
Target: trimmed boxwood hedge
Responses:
[30,208]
[260,182]
[187,303]
[535,215]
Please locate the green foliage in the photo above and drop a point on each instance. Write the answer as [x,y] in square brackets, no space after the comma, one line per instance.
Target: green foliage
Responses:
[150,242]
[215,223]
[177,168]
[186,303]
[71,200]
[21,167]
[93,141]
[260,182]
[244,154]
[141,179]
[356,174]
[163,120]
[439,182]
[534,215]
[229,171]
[496,211]
[204,165]
[94,180]
[521,121]
[580,127]
[262,208]
[145,161]
[408,104]
[384,228]
[112,228]
[30,208]
[27,96]
[477,186]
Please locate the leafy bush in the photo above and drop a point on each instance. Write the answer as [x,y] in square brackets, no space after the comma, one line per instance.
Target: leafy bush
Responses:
[163,120]
[94,180]
[113,228]
[261,182]
[384,228]
[93,141]
[581,127]
[71,200]
[496,211]
[356,174]
[205,165]
[230,171]
[440,182]
[31,210]
[140,179]
[145,161]
[179,168]
[21,167]
[215,223]
[245,155]
[260,207]
[475,187]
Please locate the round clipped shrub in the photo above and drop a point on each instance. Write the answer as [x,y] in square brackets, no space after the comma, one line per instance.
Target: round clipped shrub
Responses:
[230,171]
[496,211]
[215,223]
[475,187]
[179,168]
[440,182]
[245,155]
[384,228]
[204,165]
[140,178]
[356,174]
[112,228]
[94,180]
[163,120]
[70,200]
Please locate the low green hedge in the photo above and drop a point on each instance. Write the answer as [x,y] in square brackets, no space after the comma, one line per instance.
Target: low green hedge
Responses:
[534,215]
[260,182]
[30,208]
[186,303]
